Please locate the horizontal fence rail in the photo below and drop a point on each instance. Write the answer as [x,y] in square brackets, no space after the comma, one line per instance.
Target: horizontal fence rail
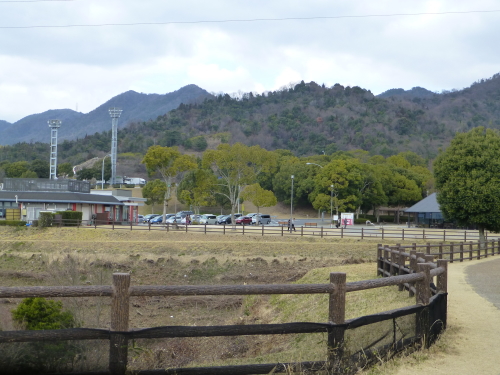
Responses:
[121,291]
[278,228]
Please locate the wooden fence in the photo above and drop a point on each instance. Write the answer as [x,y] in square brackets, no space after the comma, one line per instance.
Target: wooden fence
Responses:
[392,260]
[309,229]
[121,291]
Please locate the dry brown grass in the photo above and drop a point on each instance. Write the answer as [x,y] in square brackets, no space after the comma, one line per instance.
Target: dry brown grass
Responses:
[69,256]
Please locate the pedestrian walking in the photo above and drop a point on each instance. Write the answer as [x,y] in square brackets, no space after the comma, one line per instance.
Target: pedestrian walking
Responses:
[293,225]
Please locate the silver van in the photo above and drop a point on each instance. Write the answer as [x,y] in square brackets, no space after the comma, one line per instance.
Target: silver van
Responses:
[261,219]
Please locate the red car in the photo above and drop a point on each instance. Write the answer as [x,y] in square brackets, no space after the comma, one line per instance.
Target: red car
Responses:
[244,220]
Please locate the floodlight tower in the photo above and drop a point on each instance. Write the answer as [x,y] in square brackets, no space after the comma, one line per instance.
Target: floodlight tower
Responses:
[54,125]
[115,114]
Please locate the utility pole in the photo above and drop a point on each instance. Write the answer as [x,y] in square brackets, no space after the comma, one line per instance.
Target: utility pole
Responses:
[115,114]
[54,126]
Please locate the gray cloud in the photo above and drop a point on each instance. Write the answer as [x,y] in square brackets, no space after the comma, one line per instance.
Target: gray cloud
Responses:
[44,69]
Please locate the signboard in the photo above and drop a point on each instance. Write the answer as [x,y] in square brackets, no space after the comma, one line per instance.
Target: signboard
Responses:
[346,218]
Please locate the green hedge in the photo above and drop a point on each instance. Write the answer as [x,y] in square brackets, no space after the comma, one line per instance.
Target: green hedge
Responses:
[12,223]
[71,218]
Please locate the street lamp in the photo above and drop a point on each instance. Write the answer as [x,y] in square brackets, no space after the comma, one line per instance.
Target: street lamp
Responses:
[331,206]
[102,172]
[291,208]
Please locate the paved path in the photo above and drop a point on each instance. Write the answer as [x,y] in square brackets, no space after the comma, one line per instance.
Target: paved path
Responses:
[473,321]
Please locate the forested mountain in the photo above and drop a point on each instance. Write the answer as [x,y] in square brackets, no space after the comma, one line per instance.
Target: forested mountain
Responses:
[306,118]
[416,92]
[136,107]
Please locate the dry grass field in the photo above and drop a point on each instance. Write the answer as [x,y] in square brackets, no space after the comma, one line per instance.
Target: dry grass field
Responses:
[70,256]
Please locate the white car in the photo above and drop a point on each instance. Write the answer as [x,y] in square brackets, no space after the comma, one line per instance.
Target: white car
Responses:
[208,219]
[195,219]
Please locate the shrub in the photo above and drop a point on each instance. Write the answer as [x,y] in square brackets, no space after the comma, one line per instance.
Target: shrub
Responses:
[46,219]
[39,313]
[13,223]
[71,218]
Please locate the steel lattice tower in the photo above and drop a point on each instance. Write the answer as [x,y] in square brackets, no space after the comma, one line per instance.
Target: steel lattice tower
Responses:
[54,126]
[115,114]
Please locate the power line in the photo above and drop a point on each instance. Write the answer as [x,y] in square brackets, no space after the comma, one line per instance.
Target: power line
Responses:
[243,20]
[29,1]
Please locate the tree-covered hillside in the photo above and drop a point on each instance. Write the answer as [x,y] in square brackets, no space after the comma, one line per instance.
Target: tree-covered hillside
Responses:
[306,118]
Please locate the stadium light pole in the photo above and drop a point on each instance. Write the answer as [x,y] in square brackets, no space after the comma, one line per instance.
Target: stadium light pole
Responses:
[115,114]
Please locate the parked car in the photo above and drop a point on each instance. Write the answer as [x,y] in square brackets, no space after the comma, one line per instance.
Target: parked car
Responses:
[148,217]
[174,219]
[244,220]
[226,219]
[261,219]
[159,219]
[208,219]
[195,219]
[140,218]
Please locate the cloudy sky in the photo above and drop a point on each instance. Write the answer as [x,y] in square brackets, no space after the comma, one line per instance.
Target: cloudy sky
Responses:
[81,67]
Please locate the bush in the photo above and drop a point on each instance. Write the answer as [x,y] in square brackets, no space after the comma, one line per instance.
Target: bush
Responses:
[39,313]
[41,357]
[13,223]
[46,219]
[71,218]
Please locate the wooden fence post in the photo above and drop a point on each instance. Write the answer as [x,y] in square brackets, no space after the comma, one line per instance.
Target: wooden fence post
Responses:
[403,234]
[118,348]
[413,269]
[401,265]
[452,250]
[422,297]
[302,231]
[336,315]
[470,250]
[441,250]
[362,233]
[478,250]
[342,233]
[262,230]
[428,248]
[243,228]
[442,280]
[382,232]
[224,229]
[444,235]
[205,228]
[321,231]
[461,252]
[130,224]
[392,257]
[379,260]
[282,230]
[113,224]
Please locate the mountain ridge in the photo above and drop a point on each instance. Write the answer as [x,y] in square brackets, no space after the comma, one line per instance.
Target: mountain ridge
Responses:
[136,107]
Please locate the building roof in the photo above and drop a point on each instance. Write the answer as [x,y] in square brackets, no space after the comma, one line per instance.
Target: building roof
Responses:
[428,204]
[57,197]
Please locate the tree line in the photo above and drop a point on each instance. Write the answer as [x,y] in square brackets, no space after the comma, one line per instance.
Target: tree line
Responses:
[351,181]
